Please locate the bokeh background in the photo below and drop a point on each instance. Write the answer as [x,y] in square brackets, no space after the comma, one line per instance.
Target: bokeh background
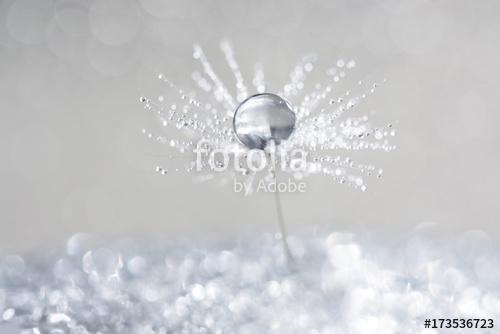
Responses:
[74,158]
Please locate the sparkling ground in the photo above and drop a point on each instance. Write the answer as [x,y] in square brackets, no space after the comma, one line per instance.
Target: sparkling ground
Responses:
[338,283]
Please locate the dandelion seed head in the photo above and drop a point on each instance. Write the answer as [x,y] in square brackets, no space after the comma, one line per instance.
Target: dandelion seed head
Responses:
[324,119]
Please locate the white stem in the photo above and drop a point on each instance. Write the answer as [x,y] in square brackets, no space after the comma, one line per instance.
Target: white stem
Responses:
[281,220]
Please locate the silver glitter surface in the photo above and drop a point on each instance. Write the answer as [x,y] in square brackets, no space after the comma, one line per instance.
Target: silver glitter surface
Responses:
[339,283]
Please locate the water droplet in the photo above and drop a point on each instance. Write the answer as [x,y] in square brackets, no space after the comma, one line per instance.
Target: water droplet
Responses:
[263,118]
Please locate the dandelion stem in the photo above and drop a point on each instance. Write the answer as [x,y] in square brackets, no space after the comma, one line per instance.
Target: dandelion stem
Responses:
[281,221]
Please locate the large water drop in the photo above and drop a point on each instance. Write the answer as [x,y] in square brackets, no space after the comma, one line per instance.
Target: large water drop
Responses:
[263,118]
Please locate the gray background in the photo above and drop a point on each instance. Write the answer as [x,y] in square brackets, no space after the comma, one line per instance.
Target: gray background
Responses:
[73,157]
